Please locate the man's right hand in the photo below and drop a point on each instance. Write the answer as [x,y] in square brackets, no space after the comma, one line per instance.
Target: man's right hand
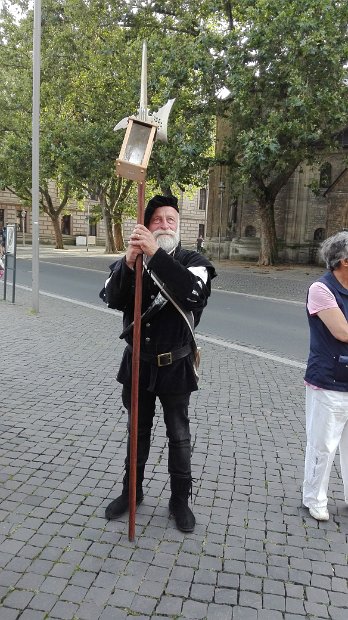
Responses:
[132,252]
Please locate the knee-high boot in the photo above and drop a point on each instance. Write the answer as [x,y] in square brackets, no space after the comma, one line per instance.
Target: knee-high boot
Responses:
[120,505]
[181,489]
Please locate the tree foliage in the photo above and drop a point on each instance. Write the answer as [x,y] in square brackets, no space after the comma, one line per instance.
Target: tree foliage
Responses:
[283,63]
[90,79]
[286,72]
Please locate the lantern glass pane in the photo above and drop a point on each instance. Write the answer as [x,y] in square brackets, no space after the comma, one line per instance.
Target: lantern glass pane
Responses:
[137,143]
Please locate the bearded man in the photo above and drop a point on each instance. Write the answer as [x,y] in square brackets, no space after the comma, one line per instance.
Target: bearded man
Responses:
[167,345]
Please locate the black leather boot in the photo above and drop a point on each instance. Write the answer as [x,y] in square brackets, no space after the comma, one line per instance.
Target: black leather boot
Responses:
[120,505]
[178,503]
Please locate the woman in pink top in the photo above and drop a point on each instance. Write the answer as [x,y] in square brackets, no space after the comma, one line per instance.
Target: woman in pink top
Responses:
[326,377]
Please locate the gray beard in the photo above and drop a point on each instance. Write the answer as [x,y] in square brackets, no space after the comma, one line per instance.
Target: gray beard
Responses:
[167,241]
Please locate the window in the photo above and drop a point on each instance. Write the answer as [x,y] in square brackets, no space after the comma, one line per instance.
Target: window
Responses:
[2,218]
[66,225]
[250,231]
[325,175]
[319,234]
[92,228]
[202,199]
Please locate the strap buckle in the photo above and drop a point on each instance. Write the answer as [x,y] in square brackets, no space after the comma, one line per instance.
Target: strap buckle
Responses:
[164,359]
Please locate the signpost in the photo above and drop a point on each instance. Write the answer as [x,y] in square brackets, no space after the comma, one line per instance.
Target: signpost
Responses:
[10,258]
[141,132]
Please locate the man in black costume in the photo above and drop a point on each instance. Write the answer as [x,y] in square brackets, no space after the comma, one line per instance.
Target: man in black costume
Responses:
[167,345]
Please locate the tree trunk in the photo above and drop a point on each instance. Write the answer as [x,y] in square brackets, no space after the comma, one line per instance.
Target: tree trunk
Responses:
[166,190]
[269,246]
[110,247]
[118,236]
[57,233]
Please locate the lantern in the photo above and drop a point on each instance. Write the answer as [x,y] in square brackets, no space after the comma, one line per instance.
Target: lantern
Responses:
[136,150]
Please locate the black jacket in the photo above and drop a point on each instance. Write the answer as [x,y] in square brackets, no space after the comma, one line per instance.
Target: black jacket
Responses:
[166,330]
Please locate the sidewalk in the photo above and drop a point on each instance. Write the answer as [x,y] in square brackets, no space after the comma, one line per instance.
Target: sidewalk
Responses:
[255,553]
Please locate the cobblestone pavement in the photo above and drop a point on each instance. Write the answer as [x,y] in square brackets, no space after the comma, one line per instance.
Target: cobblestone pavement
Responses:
[255,553]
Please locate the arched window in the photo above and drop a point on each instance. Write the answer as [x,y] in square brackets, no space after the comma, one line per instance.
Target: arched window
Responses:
[66,225]
[250,231]
[325,175]
[319,234]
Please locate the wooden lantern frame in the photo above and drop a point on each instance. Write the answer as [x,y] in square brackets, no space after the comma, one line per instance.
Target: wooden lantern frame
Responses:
[127,169]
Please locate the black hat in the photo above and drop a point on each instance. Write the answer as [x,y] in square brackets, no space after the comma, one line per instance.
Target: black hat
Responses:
[159,201]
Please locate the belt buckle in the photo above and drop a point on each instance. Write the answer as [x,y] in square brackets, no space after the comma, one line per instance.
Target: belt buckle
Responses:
[164,359]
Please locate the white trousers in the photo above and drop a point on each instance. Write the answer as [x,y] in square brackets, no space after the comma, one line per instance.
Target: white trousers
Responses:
[327,428]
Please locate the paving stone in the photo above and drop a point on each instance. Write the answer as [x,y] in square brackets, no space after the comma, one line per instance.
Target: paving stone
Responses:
[9,614]
[18,599]
[266,614]
[43,602]
[63,611]
[33,614]
[250,599]
[170,606]
[337,613]
[110,613]
[272,601]
[193,609]
[244,613]
[91,611]
[225,596]
[219,612]
[200,592]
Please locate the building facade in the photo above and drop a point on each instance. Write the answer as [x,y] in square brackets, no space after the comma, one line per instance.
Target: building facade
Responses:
[76,223]
[310,207]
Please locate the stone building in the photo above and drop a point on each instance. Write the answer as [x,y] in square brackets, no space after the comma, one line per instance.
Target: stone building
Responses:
[75,224]
[73,221]
[312,206]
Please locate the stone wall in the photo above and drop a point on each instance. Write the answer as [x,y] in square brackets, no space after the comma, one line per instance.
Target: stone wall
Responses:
[337,196]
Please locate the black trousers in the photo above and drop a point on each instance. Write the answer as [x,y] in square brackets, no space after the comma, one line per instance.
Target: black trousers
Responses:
[175,411]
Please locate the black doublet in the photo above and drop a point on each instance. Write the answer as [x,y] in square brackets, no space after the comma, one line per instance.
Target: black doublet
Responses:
[166,330]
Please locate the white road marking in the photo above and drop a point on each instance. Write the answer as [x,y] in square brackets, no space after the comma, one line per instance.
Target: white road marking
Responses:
[287,301]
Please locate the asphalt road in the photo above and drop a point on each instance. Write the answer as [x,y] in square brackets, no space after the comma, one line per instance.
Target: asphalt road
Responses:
[259,309]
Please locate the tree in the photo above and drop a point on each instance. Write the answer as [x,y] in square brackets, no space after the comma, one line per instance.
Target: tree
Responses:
[286,73]
[284,64]
[91,56]
[77,144]
[15,125]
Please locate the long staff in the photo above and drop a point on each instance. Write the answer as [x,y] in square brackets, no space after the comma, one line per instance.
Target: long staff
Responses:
[135,373]
[132,162]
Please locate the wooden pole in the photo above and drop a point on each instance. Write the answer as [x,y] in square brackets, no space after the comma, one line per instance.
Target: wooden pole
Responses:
[135,373]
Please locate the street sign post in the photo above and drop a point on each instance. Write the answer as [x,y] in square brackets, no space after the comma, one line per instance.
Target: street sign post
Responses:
[10,258]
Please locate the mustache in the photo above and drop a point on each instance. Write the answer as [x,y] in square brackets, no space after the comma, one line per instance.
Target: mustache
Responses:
[158,233]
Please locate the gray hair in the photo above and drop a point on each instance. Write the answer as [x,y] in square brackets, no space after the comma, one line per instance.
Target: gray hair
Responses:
[334,249]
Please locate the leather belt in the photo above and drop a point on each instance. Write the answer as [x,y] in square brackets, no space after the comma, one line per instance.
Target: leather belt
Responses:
[164,359]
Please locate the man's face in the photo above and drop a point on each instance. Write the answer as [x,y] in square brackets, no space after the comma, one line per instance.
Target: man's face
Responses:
[164,227]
